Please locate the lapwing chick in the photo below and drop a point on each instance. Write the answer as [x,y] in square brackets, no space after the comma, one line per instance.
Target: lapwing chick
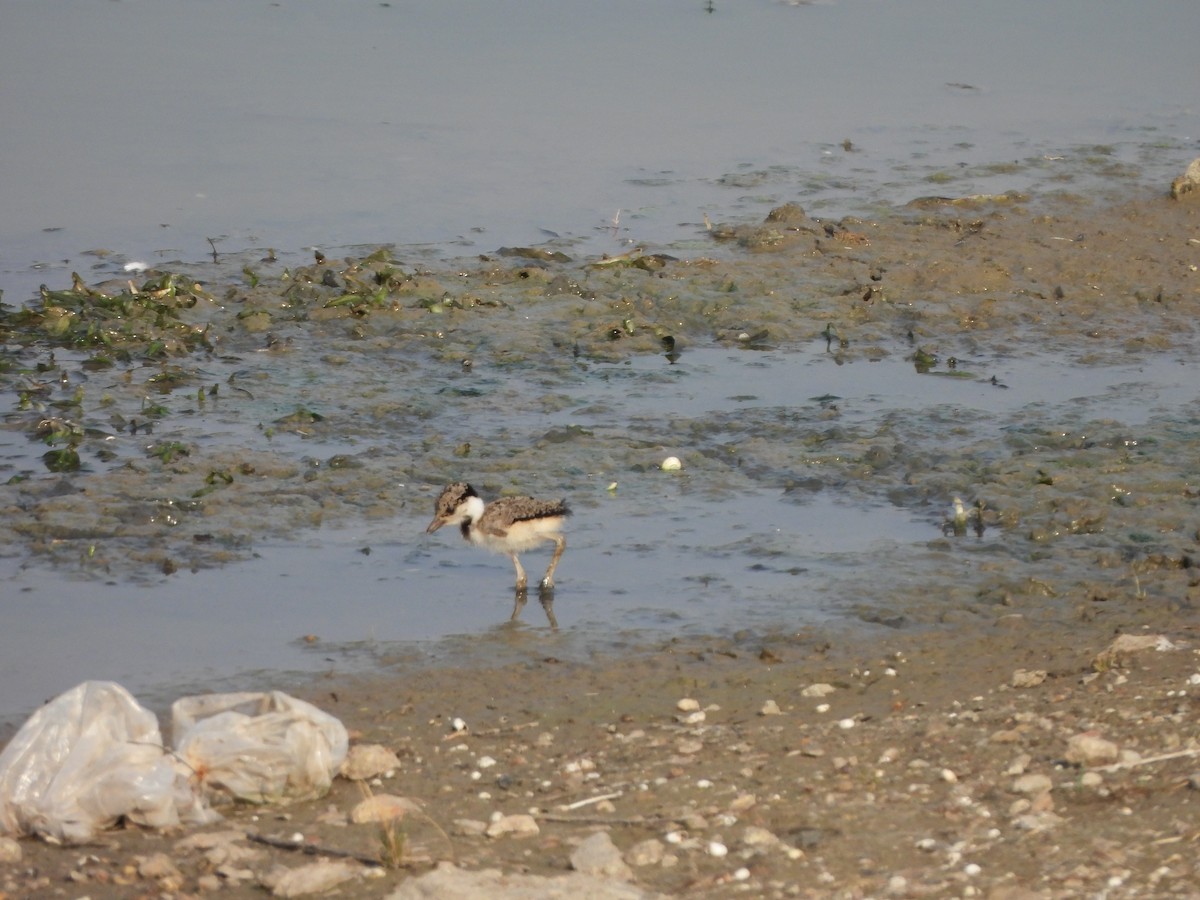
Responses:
[509,525]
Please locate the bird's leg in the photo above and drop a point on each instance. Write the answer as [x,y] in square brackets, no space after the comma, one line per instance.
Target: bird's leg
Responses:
[522,581]
[560,544]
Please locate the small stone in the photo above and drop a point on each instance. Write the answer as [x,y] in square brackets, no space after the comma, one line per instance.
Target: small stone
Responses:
[314,878]
[1091,779]
[818,690]
[692,718]
[846,724]
[671,464]
[687,704]
[518,825]
[1025,678]
[770,708]
[365,761]
[645,853]
[157,867]
[469,828]
[755,836]
[1032,784]
[1187,182]
[598,855]
[1091,750]
[717,849]
[949,776]
[689,746]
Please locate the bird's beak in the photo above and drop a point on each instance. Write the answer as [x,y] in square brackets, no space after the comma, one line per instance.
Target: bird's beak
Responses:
[435,525]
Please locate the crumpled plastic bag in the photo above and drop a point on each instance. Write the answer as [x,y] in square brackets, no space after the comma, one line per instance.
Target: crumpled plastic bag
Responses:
[258,747]
[88,758]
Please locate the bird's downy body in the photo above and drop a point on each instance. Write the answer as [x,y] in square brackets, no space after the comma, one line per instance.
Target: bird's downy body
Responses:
[509,525]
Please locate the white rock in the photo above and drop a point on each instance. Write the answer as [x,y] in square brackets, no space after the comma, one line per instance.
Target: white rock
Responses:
[687,704]
[671,464]
[383,808]
[755,836]
[717,849]
[820,689]
[770,708]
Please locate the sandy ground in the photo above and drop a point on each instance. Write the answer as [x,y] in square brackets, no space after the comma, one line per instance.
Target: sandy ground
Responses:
[989,748]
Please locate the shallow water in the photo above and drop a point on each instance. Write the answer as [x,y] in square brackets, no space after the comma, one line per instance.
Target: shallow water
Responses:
[711,548]
[466,126]
[457,128]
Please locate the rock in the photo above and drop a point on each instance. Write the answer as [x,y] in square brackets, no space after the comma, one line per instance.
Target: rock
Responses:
[598,855]
[1187,182]
[770,708]
[314,878]
[518,825]
[10,850]
[469,828]
[1032,784]
[368,761]
[646,853]
[158,867]
[448,882]
[687,704]
[383,808]
[818,690]
[1091,750]
[755,836]
[1024,678]
[1125,645]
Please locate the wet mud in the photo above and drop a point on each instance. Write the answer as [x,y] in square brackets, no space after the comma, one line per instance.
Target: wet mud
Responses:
[352,389]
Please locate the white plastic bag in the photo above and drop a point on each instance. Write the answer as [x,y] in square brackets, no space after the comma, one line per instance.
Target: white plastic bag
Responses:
[85,760]
[259,747]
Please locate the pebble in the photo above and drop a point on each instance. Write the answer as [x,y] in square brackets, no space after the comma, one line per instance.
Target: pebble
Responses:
[846,724]
[518,825]
[671,464]
[1024,678]
[770,708]
[457,724]
[818,690]
[717,849]
[1091,750]
[1032,784]
[314,878]
[687,704]
[692,718]
[756,836]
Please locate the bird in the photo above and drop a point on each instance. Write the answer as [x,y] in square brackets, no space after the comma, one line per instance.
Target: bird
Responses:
[508,525]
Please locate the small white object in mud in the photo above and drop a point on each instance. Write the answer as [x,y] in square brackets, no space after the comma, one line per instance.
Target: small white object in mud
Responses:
[671,464]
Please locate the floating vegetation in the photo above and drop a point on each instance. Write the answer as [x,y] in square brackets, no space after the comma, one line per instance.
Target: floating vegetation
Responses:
[147,321]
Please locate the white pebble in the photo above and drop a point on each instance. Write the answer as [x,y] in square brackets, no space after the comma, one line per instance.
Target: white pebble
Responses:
[971,870]
[137,266]
[741,874]
[687,704]
[704,783]
[486,762]
[717,849]
[457,724]
[949,777]
[673,837]
[671,464]
[846,724]
[822,707]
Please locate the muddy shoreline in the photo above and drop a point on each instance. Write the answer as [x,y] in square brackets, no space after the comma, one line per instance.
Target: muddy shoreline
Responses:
[904,785]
